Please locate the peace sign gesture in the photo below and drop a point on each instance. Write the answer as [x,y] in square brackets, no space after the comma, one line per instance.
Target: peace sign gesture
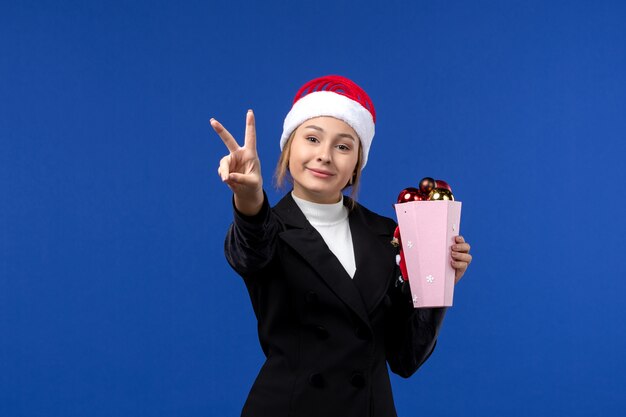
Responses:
[241,168]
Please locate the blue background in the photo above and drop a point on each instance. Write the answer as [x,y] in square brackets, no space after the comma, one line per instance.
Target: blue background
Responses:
[115,297]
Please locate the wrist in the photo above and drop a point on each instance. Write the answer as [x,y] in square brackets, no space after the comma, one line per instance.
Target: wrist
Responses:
[249,205]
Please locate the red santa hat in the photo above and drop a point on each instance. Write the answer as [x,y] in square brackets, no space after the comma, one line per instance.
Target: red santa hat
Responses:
[335,96]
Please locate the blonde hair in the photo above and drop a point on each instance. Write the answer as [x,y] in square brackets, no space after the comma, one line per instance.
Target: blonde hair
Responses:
[282,171]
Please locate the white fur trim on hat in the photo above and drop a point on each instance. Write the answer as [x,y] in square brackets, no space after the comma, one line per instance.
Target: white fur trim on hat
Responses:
[328,103]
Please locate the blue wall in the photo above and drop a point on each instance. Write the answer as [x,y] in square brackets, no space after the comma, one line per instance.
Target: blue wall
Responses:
[115,298]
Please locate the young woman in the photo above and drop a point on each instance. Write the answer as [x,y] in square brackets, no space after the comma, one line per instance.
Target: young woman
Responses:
[320,268]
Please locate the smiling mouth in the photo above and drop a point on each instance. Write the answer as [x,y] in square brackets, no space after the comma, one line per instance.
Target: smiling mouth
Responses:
[320,174]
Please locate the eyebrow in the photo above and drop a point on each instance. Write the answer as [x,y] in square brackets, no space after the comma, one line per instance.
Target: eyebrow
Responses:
[340,135]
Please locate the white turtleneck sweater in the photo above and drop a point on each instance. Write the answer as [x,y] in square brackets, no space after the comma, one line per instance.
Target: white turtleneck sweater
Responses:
[331,221]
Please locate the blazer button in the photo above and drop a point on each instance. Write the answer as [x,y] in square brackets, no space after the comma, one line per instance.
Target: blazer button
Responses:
[362,333]
[321,332]
[357,380]
[316,380]
[312,299]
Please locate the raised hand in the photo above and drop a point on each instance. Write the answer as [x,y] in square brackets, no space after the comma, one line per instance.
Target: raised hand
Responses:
[241,168]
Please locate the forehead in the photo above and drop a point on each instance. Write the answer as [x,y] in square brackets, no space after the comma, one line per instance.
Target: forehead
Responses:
[330,125]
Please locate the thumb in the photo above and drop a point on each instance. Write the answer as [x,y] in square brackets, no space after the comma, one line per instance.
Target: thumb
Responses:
[243,179]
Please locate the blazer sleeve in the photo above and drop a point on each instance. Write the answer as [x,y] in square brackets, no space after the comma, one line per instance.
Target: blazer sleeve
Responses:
[411,333]
[251,240]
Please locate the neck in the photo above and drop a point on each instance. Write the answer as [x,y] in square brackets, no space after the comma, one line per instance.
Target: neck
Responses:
[316,198]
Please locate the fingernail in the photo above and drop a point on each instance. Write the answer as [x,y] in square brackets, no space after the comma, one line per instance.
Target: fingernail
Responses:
[249,110]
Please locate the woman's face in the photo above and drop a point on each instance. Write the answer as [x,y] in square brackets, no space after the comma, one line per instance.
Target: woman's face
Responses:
[323,156]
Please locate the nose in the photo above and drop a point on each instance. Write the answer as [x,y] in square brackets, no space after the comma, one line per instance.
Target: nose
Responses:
[324,155]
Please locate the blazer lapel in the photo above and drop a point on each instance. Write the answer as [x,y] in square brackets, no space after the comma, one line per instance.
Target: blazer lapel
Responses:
[305,240]
[374,257]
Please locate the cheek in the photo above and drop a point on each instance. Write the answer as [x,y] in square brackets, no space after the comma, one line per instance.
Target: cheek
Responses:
[297,160]
[350,164]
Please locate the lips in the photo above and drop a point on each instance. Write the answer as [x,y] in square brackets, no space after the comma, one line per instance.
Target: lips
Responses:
[320,173]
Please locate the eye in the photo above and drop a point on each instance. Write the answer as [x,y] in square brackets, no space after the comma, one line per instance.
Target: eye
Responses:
[311,139]
[343,147]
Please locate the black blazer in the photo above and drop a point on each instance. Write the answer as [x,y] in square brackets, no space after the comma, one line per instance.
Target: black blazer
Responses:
[327,337]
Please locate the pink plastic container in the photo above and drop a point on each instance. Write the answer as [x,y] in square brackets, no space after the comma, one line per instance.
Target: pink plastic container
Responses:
[428,229]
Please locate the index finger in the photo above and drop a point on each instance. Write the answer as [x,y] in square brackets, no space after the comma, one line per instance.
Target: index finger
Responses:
[250,138]
[225,135]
